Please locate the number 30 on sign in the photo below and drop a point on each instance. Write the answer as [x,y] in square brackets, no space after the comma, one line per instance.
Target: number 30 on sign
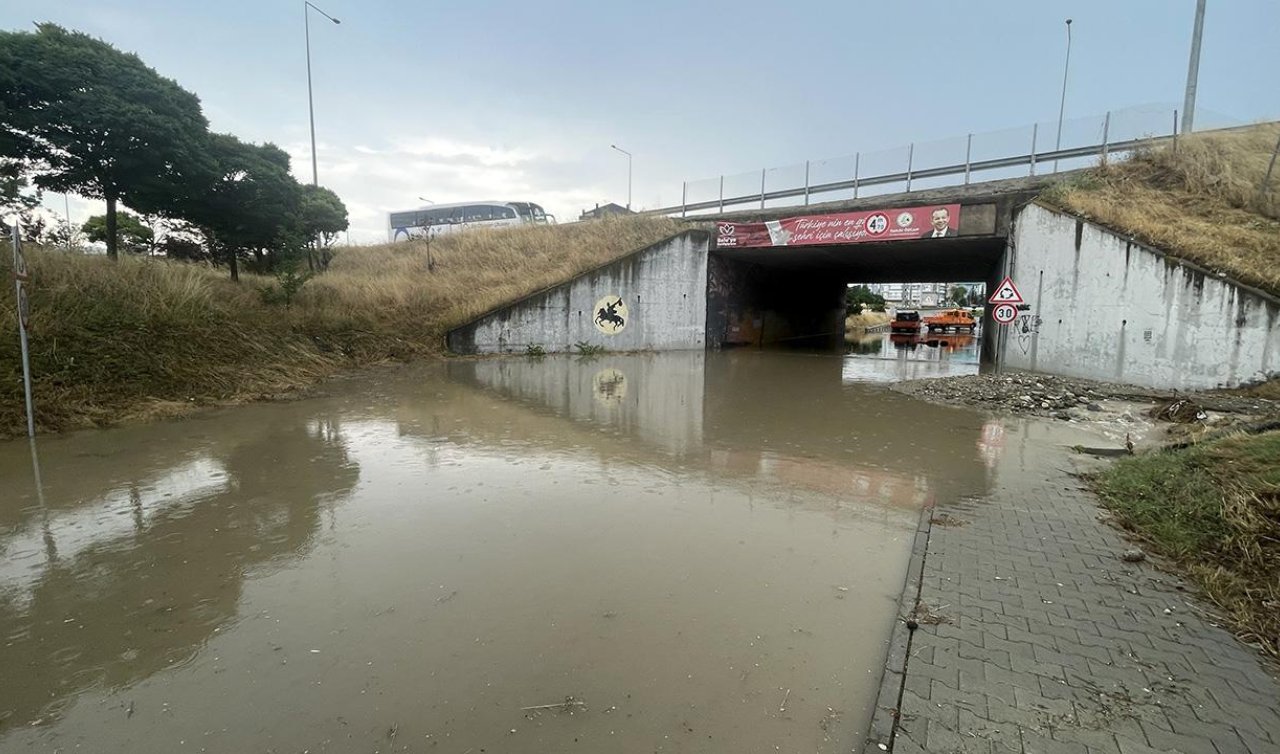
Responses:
[1004,313]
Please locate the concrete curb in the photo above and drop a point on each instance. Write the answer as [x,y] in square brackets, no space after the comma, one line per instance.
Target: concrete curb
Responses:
[884,718]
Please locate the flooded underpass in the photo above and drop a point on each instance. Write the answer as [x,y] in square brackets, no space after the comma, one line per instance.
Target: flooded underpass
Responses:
[886,357]
[655,552]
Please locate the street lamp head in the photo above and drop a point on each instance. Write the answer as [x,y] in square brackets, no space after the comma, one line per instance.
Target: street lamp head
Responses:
[336,21]
[1068,22]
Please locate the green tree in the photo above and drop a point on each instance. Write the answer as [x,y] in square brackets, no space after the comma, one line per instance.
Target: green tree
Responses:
[858,297]
[182,241]
[959,295]
[16,192]
[87,118]
[249,204]
[322,217]
[132,234]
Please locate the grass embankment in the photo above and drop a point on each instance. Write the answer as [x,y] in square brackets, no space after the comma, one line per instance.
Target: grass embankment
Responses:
[1214,510]
[142,337]
[866,319]
[1201,203]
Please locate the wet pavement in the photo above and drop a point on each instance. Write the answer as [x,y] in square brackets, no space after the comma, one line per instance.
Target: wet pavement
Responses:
[1036,635]
[700,552]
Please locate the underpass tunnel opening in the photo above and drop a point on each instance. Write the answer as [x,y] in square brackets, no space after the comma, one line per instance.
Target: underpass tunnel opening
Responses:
[795,297]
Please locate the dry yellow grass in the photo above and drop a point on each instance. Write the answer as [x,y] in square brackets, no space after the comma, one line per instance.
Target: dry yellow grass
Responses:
[145,337]
[866,319]
[426,289]
[1201,203]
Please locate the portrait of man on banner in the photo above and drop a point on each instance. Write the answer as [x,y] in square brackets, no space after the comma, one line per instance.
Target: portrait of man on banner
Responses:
[940,224]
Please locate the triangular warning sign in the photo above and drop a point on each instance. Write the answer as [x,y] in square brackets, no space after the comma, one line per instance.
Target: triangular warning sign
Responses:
[1006,293]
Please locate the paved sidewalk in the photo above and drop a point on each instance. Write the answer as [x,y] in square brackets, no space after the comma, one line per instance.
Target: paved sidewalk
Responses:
[1047,641]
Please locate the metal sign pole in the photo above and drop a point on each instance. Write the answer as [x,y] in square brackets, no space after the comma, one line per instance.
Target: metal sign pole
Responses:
[19,280]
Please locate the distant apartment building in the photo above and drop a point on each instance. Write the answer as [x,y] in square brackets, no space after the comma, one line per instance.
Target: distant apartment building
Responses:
[918,294]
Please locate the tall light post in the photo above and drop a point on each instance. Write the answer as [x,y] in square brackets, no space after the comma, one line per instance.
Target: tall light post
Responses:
[1193,71]
[311,112]
[1062,106]
[628,154]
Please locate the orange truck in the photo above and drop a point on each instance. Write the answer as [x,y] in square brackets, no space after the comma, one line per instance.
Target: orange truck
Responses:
[905,322]
[951,319]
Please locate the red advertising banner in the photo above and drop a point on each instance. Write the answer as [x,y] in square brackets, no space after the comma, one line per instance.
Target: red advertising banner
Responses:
[874,226]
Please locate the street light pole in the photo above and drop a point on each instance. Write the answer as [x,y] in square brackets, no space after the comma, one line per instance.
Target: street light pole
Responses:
[311,112]
[628,154]
[1193,70]
[1062,106]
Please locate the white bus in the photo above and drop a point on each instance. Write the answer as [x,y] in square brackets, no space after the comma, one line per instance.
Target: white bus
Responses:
[438,219]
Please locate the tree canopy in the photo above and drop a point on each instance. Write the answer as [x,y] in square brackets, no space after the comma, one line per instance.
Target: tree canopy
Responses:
[859,297]
[77,115]
[250,201]
[87,118]
[133,235]
[323,213]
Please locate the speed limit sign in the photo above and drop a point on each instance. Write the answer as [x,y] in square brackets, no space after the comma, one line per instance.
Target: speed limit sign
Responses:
[1004,313]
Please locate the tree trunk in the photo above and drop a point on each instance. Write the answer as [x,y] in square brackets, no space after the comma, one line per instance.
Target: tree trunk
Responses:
[233,259]
[111,227]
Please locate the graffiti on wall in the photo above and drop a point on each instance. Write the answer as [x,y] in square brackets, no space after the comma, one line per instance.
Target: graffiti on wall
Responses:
[1027,326]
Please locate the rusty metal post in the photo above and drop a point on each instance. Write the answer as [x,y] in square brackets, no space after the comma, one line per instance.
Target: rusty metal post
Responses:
[1266,182]
[968,149]
[1106,131]
[1035,128]
[911,148]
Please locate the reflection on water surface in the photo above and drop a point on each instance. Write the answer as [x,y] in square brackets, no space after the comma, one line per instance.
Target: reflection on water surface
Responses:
[676,541]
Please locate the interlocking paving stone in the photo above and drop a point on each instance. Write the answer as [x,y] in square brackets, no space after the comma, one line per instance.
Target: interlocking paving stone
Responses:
[1050,643]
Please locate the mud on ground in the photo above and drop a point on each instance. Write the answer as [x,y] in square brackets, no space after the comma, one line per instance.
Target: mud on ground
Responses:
[1127,409]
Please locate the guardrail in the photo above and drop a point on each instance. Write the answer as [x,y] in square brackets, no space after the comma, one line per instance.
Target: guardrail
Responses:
[1104,149]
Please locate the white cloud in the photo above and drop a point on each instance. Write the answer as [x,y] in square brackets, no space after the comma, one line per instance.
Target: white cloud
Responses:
[373,180]
[447,150]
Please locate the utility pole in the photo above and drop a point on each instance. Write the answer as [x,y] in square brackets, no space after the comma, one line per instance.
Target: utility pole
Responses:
[1193,70]
[1062,106]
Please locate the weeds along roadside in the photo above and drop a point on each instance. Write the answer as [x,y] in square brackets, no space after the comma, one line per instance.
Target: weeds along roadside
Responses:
[1213,510]
[143,337]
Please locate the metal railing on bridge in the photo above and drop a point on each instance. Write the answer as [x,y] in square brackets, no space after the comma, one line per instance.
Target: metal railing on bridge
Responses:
[1008,153]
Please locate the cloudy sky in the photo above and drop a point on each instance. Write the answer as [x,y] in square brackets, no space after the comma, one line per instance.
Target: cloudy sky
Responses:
[521,100]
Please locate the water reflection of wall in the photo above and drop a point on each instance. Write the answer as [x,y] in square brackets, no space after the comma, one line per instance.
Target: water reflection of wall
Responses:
[786,418]
[139,562]
[656,397]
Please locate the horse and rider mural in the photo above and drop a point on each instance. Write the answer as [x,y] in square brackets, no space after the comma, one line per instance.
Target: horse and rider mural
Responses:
[611,315]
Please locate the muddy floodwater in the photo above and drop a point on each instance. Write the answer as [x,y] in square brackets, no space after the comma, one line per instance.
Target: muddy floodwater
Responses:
[685,552]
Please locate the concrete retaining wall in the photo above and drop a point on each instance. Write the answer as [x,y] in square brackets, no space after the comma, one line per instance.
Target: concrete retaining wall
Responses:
[1106,308]
[663,295]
